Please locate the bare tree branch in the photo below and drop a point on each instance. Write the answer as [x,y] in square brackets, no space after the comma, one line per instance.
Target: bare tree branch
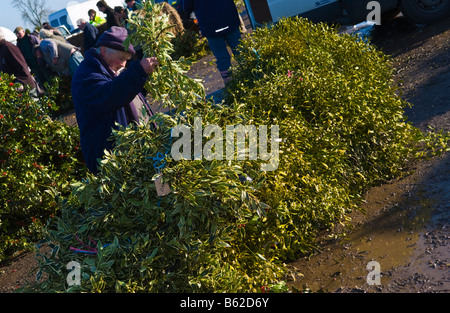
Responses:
[34,12]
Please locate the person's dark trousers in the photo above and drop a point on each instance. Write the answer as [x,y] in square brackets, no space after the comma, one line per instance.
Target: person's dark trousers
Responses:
[218,46]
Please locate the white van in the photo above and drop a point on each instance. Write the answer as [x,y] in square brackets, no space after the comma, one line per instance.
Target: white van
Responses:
[75,10]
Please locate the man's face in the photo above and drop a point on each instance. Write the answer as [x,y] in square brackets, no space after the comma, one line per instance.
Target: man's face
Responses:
[81,26]
[115,59]
[130,4]
[101,9]
[20,34]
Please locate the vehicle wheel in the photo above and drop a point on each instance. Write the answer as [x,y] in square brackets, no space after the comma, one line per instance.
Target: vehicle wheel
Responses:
[425,11]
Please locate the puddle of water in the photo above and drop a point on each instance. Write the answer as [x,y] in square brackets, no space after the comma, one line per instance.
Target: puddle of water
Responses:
[390,238]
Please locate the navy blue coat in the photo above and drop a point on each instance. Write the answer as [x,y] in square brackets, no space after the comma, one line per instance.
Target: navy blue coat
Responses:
[90,36]
[215,17]
[100,100]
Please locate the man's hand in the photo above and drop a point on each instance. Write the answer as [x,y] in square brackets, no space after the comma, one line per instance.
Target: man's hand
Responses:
[149,64]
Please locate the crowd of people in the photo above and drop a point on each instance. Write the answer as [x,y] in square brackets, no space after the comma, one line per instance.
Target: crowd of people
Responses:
[104,95]
[44,53]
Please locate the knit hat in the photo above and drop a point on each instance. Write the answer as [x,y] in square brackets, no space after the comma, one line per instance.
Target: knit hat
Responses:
[114,38]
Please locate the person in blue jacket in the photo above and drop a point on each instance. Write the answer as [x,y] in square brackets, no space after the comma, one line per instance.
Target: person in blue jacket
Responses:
[102,97]
[90,33]
[219,22]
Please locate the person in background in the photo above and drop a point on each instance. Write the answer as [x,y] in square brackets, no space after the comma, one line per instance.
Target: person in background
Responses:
[12,62]
[105,95]
[219,22]
[62,58]
[56,32]
[94,19]
[111,18]
[35,33]
[90,33]
[26,42]
[122,15]
[132,5]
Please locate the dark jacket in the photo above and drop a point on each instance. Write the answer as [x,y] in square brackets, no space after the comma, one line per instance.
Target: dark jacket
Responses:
[215,17]
[101,99]
[12,62]
[26,45]
[90,36]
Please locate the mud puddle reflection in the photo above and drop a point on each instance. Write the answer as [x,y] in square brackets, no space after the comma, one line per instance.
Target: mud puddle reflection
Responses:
[393,232]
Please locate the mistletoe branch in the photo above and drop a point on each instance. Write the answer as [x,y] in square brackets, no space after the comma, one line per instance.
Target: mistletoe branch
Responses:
[169,84]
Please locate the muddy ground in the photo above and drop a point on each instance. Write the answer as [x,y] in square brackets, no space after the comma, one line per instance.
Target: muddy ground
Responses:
[406,225]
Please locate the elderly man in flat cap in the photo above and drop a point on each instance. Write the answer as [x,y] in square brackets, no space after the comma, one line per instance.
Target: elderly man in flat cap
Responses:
[104,95]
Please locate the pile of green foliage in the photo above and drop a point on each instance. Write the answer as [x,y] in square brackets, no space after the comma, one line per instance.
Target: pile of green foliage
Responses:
[39,158]
[191,240]
[190,45]
[340,117]
[342,130]
[59,89]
